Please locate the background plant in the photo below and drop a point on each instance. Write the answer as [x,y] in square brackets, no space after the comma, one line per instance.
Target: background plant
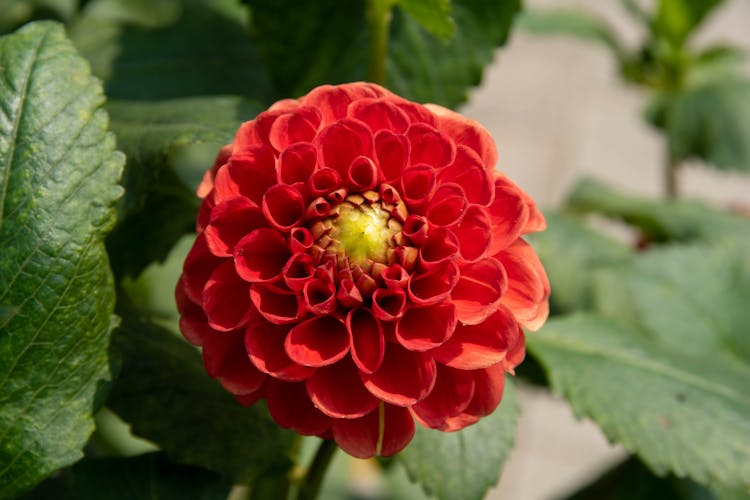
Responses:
[651,345]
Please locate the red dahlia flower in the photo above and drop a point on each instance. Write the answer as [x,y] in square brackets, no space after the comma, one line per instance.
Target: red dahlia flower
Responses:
[359,265]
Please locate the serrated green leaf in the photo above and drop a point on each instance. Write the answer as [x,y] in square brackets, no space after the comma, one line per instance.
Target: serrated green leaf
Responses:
[144,477]
[58,184]
[693,299]
[206,51]
[158,206]
[571,252]
[166,396]
[572,23]
[330,46]
[467,463]
[434,15]
[681,220]
[680,413]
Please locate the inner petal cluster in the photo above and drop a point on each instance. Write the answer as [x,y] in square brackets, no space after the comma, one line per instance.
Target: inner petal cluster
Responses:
[359,265]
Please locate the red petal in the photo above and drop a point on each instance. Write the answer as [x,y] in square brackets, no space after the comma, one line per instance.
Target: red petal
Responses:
[417,186]
[447,206]
[468,172]
[249,174]
[283,207]
[297,163]
[478,346]
[298,126]
[225,359]
[264,343]
[226,299]
[388,303]
[404,378]
[276,304]
[429,146]
[333,101]
[392,151]
[207,183]
[509,214]
[246,138]
[337,391]
[453,391]
[440,245]
[528,287]
[300,239]
[193,321]
[479,290]
[434,285]
[474,233]
[298,271]
[319,341]
[424,328]
[385,432]
[417,113]
[395,276]
[415,228]
[348,294]
[199,264]
[229,222]
[319,296]
[536,220]
[379,114]
[341,142]
[291,408]
[362,174]
[261,255]
[366,338]
[323,181]
[467,132]
[488,391]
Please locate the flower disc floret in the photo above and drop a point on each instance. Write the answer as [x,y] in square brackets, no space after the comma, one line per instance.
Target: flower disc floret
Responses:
[360,266]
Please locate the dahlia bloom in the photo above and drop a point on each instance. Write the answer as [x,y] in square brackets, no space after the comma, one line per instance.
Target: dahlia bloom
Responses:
[359,265]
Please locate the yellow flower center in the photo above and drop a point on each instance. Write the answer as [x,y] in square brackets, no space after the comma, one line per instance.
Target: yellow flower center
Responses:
[363,233]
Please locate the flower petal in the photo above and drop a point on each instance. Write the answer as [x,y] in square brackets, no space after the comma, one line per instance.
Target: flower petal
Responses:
[277,304]
[297,126]
[341,142]
[379,114]
[417,186]
[199,264]
[453,391]
[283,207]
[264,343]
[404,378]
[388,303]
[297,163]
[324,181]
[509,214]
[318,341]
[468,172]
[474,234]
[434,285]
[440,246]
[229,222]
[447,206]
[430,146]
[225,359]
[479,290]
[478,346]
[226,299]
[392,152]
[249,174]
[528,286]
[467,132]
[337,391]
[384,431]
[366,338]
[193,321]
[261,255]
[424,328]
[291,408]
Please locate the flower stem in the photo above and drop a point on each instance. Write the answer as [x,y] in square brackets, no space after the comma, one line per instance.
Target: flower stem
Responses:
[310,486]
[378,22]
[671,169]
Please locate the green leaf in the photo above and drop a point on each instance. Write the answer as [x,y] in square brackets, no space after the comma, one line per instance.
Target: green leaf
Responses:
[683,220]
[571,23]
[145,13]
[571,252]
[710,122]
[58,184]
[434,15]
[165,394]
[159,205]
[17,12]
[329,45]
[206,51]
[143,477]
[678,412]
[693,299]
[463,464]
[676,20]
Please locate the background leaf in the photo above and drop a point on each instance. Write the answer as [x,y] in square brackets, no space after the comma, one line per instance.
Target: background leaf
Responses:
[569,22]
[679,412]
[467,463]
[144,477]
[677,19]
[58,183]
[434,15]
[166,396]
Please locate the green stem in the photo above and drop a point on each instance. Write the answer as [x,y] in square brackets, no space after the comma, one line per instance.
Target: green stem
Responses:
[313,480]
[378,22]
[671,169]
